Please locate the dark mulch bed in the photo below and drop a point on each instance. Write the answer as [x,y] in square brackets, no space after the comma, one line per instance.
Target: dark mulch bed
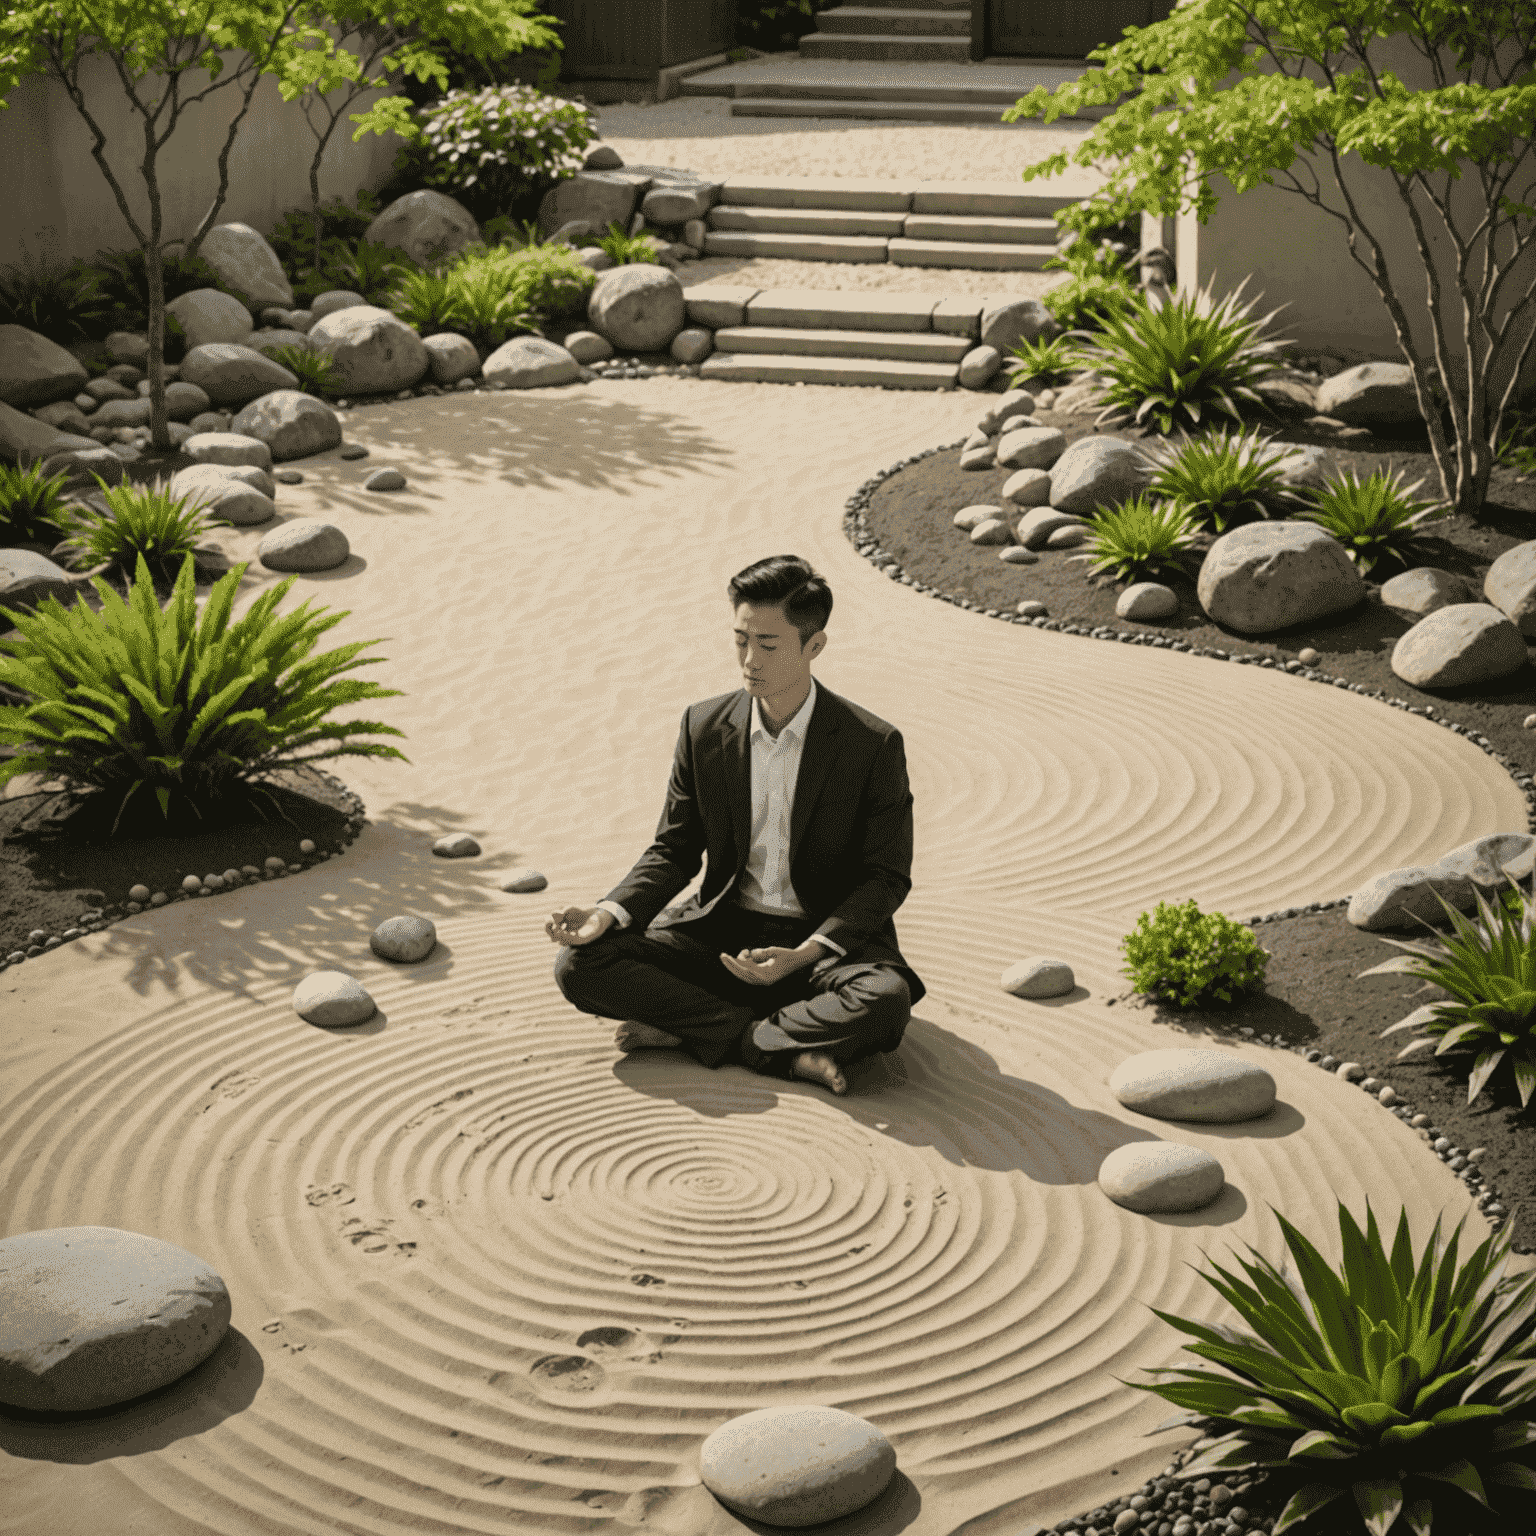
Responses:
[1311,997]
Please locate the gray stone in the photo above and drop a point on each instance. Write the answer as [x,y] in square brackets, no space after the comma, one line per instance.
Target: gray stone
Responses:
[1038,977]
[429,226]
[231,501]
[695,231]
[1144,600]
[292,424]
[524,880]
[1039,523]
[1067,537]
[450,357]
[374,351]
[208,315]
[233,375]
[1154,1177]
[1004,325]
[1395,899]
[121,413]
[385,480]
[456,845]
[65,416]
[36,371]
[530,362]
[103,388]
[91,1316]
[1027,488]
[81,463]
[599,198]
[796,1466]
[25,440]
[126,347]
[1030,448]
[333,1000]
[404,940]
[991,530]
[1510,585]
[228,448]
[185,400]
[1214,1087]
[333,301]
[981,456]
[968,517]
[268,342]
[216,475]
[638,307]
[247,266]
[692,344]
[588,346]
[978,367]
[664,206]
[1423,590]
[1098,472]
[569,234]
[602,157]
[305,544]
[1016,402]
[1370,394]
[1459,644]
[1271,575]
[596,258]
[28,578]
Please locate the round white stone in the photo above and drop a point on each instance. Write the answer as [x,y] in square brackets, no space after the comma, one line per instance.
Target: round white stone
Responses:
[456,845]
[332,999]
[1157,1176]
[405,939]
[1193,1084]
[1038,978]
[138,893]
[91,1316]
[524,880]
[796,1466]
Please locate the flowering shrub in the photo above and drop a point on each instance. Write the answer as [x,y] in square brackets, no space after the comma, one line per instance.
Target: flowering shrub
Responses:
[1181,957]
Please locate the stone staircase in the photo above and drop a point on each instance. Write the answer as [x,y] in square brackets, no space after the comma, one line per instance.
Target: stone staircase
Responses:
[909,30]
[987,226]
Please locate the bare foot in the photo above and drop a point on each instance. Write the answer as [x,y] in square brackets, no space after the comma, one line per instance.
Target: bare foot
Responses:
[640,1037]
[816,1067]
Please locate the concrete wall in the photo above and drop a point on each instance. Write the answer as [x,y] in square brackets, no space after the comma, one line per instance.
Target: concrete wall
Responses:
[1299,255]
[62,207]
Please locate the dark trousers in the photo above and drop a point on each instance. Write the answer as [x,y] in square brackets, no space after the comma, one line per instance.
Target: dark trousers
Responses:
[672,978]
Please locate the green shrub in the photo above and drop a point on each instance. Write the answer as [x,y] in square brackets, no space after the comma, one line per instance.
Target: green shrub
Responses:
[1180,957]
[30,506]
[62,302]
[1375,519]
[191,711]
[314,370]
[626,248]
[293,239]
[1140,540]
[551,279]
[1386,1397]
[145,525]
[124,285]
[369,268]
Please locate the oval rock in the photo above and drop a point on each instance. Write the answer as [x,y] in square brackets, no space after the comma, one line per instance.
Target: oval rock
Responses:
[332,999]
[796,1466]
[1038,978]
[305,544]
[1193,1084]
[1161,1176]
[524,880]
[405,939]
[456,845]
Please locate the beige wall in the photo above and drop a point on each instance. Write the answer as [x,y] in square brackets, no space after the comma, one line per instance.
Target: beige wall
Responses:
[1298,254]
[61,207]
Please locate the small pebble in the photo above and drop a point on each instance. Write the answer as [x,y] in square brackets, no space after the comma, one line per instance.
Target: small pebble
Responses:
[456,845]
[1419,1120]
[524,880]
[1388,1096]
[1350,1070]
[249,869]
[288,476]
[191,883]
[159,899]
[354,451]
[139,893]
[134,908]
[273,862]
[213,882]
[38,936]
[306,845]
[385,480]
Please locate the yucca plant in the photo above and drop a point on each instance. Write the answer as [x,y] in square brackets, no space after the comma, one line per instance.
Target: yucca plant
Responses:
[1140,538]
[30,505]
[190,711]
[1048,363]
[1400,1391]
[1374,519]
[145,525]
[62,302]
[315,370]
[1489,969]
[626,248]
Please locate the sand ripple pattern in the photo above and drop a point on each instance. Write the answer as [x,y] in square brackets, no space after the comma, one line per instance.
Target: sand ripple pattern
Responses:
[490,1276]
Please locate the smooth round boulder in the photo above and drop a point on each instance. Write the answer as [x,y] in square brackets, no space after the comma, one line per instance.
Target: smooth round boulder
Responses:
[1271,575]
[1028,488]
[385,480]
[228,448]
[588,347]
[333,1000]
[978,367]
[232,501]
[405,940]
[91,1316]
[183,401]
[305,544]
[372,350]
[693,344]
[1146,600]
[530,362]
[1212,1087]
[972,517]
[1510,586]
[292,424]
[450,357]
[336,299]
[231,374]
[524,880]
[209,314]
[214,476]
[456,845]
[796,1466]
[1157,1177]
[638,306]
[1459,644]
[991,530]
[1038,978]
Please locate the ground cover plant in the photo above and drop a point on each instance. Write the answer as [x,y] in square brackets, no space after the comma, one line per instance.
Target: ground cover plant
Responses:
[625,248]
[31,505]
[137,524]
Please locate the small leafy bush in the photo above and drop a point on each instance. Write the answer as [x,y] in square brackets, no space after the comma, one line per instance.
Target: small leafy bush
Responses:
[293,238]
[1375,519]
[1141,539]
[145,526]
[62,302]
[626,248]
[369,268]
[1180,957]
[314,370]
[1048,363]
[188,710]
[425,299]
[488,304]
[1386,1397]
[30,506]
[551,279]
[1489,969]
[124,283]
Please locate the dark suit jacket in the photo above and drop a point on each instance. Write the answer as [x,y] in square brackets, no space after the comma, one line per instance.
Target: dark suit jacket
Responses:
[850,846]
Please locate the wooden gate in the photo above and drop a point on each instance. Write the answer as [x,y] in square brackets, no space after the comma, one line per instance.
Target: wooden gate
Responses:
[1052,29]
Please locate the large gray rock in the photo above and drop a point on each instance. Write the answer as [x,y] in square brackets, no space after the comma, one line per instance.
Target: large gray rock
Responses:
[1214,1087]
[1030,447]
[292,424]
[232,375]
[329,302]
[375,352]
[450,357]
[1370,394]
[1271,575]
[128,347]
[91,1316]
[1004,325]
[28,578]
[676,205]
[35,371]
[305,544]
[530,362]
[1027,488]
[229,501]
[1154,1177]
[64,415]
[1421,591]
[1510,585]
[796,1466]
[404,940]
[247,266]
[429,226]
[81,463]
[1395,899]
[1097,472]
[333,1000]
[1459,644]
[122,413]
[228,448]
[209,314]
[598,198]
[25,440]
[638,307]
[104,388]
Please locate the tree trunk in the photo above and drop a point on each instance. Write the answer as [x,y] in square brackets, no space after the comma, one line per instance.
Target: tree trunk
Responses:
[154,272]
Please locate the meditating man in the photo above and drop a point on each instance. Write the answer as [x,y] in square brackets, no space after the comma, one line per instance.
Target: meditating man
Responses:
[785,960]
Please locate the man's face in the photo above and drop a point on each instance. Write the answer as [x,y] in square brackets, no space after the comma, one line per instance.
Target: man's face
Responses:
[768,650]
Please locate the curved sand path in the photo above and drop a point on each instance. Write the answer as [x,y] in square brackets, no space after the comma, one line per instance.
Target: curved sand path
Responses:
[490,1276]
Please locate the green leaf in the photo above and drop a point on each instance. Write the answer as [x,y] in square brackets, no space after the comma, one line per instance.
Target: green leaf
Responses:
[1305,1503]
[1459,1474]
[1380,1501]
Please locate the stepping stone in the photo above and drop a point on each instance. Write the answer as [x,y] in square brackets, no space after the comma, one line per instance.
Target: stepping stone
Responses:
[405,939]
[1161,1176]
[91,1316]
[1208,1086]
[1039,978]
[332,999]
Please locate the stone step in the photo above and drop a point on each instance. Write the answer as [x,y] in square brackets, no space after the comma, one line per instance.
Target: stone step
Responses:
[997,230]
[840,45]
[847,194]
[770,368]
[982,93]
[978,255]
[854,248]
[805,221]
[834,309]
[913,346]
[916,111]
[963,7]
[908,21]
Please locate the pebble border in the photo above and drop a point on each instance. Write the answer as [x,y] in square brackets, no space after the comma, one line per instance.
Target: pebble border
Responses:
[855,526]
[97,919]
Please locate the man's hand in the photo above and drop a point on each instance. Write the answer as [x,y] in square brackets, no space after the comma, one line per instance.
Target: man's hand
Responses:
[579,925]
[763,967]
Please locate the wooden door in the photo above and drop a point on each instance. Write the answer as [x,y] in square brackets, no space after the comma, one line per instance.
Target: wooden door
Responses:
[1065,29]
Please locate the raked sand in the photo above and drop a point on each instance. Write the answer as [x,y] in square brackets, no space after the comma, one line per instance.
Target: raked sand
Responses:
[490,1276]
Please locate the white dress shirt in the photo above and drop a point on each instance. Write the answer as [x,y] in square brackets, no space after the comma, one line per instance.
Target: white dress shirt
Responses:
[764,885]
